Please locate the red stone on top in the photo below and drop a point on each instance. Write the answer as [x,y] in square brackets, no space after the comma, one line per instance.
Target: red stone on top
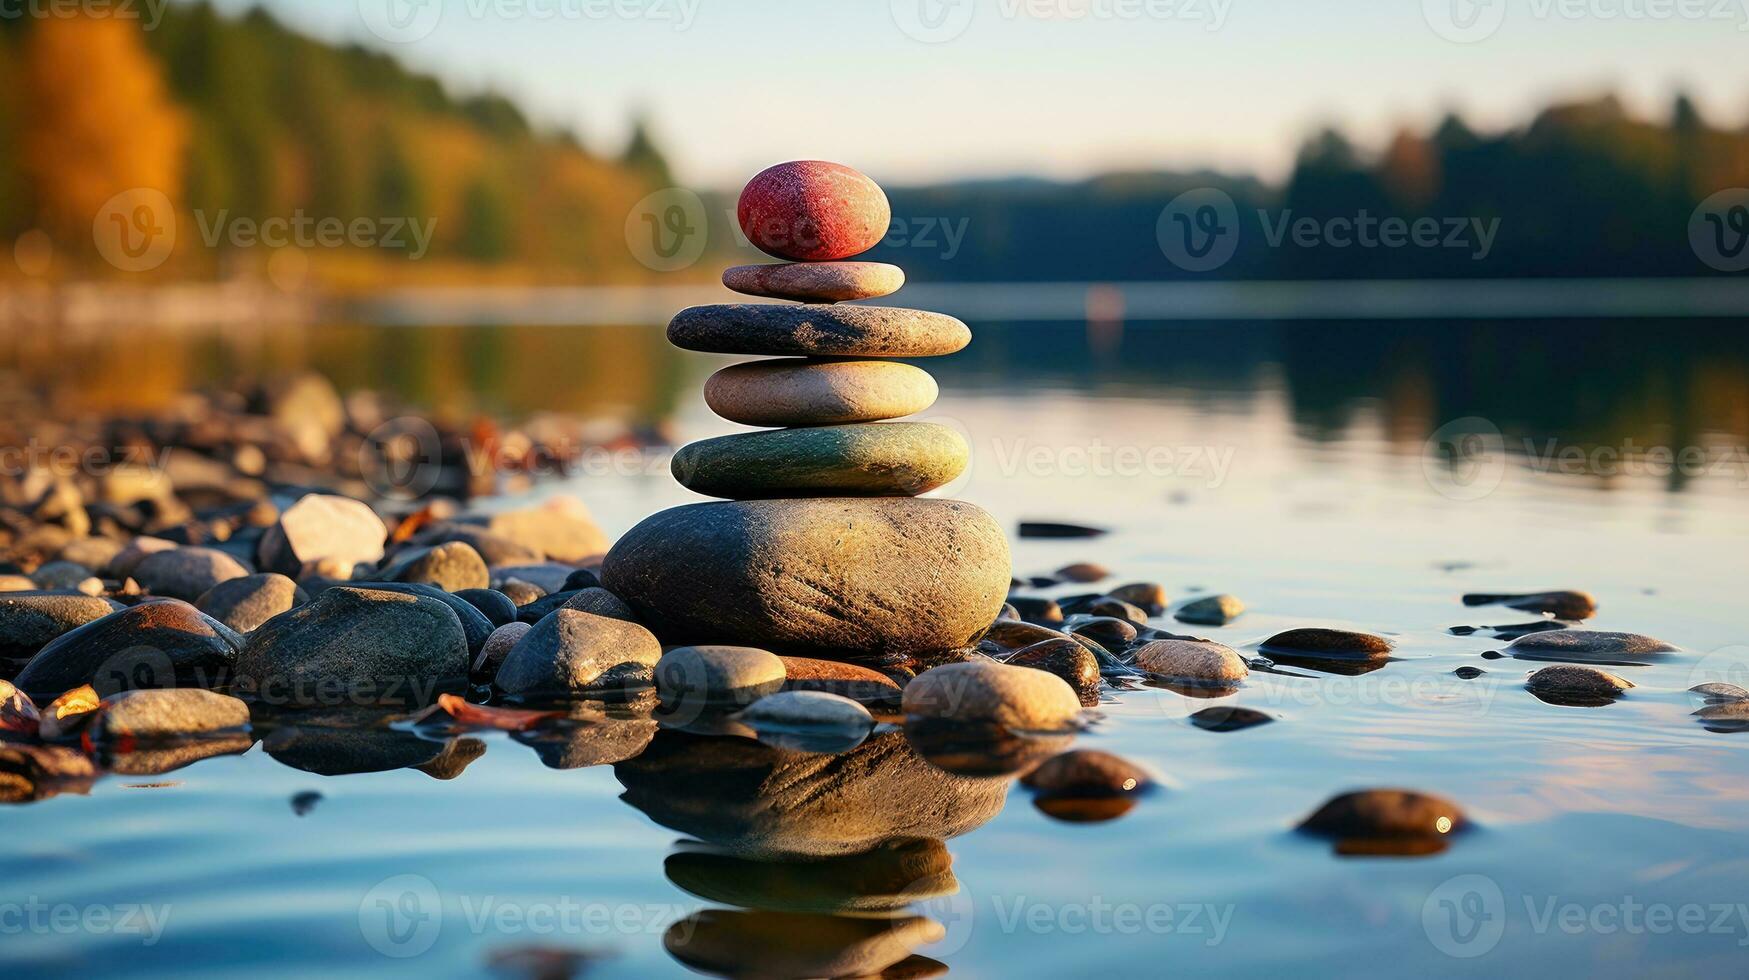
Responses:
[813,211]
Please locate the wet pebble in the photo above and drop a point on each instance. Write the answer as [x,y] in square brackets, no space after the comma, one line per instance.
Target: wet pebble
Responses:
[1469,673]
[835,677]
[137,645]
[496,648]
[1067,659]
[1108,631]
[1229,718]
[1561,604]
[1598,646]
[245,603]
[1192,662]
[1150,597]
[1008,613]
[160,714]
[521,593]
[1052,529]
[717,675]
[1037,610]
[492,604]
[1083,571]
[1386,815]
[1213,610]
[600,602]
[1576,685]
[1317,641]
[1118,609]
[1013,697]
[1087,773]
[572,650]
[1718,692]
[186,573]
[451,566]
[313,654]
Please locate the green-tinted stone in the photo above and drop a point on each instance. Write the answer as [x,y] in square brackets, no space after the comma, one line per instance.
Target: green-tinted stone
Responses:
[876,459]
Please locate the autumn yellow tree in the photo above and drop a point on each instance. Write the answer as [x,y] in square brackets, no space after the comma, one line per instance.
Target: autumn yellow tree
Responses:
[96,119]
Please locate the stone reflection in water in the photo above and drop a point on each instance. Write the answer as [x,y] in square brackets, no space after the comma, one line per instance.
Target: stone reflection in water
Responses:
[821,854]
[882,880]
[158,758]
[977,749]
[755,799]
[756,943]
[340,743]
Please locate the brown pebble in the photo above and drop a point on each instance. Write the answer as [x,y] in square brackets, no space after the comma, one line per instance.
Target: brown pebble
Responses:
[1328,641]
[1087,773]
[1067,659]
[1148,596]
[1083,572]
[1385,813]
[833,677]
[816,282]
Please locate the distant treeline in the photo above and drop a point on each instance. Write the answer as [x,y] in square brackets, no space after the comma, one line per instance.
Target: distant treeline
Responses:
[242,119]
[1583,190]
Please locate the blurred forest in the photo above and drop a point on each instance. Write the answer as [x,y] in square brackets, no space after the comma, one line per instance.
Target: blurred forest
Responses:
[244,117]
[1584,189]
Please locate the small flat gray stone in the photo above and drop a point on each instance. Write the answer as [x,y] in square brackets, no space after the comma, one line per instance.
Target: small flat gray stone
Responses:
[816,331]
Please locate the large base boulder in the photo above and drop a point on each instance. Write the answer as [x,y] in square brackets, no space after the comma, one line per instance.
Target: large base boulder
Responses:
[881,576]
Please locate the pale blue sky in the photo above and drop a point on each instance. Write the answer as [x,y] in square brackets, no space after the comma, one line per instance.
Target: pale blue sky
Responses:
[1018,90]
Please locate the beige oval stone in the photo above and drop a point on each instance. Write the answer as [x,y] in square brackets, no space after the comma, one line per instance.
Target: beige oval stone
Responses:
[830,577]
[1191,661]
[976,691]
[816,282]
[798,391]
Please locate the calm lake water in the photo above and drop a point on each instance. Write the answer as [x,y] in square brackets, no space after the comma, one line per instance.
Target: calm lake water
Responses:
[1355,476]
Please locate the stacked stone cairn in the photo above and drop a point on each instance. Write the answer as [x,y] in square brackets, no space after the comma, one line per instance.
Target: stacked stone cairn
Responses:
[823,545]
